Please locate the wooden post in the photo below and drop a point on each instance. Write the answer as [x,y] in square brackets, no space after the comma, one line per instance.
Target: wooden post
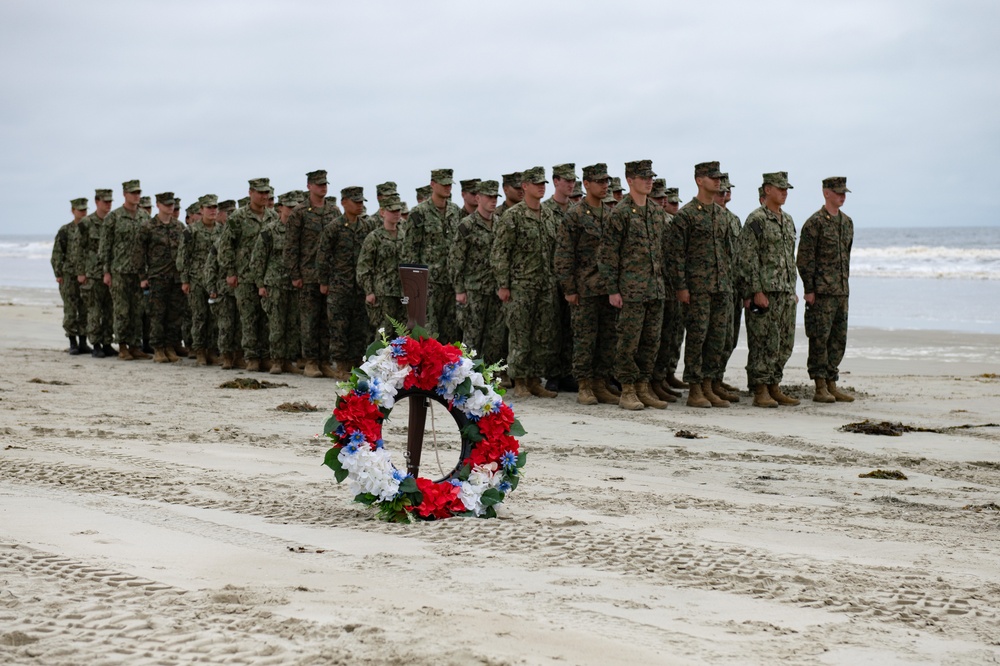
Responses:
[414,278]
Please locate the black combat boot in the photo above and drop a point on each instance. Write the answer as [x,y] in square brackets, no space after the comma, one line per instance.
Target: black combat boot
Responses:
[84,347]
[74,349]
[98,351]
[109,351]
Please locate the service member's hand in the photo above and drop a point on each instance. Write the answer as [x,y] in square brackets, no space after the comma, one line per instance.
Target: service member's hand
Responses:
[107,279]
[504,294]
[795,297]
[323,288]
[82,279]
[684,296]
[232,281]
[811,298]
[370,299]
[572,299]
[460,298]
[760,298]
[59,280]
[297,284]
[186,288]
[615,300]
[262,292]
[144,284]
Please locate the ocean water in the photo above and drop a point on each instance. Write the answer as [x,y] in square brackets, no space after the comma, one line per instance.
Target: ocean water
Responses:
[933,278]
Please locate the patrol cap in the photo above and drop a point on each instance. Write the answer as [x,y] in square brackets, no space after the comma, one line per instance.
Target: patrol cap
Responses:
[244,202]
[388,187]
[724,184]
[228,205]
[392,202]
[595,172]
[709,169]
[639,169]
[208,201]
[103,195]
[659,188]
[577,190]
[836,183]
[760,192]
[564,171]
[165,198]
[534,175]
[177,202]
[332,199]
[289,199]
[512,179]
[193,208]
[442,176]
[131,186]
[317,177]
[489,188]
[78,204]
[260,184]
[616,185]
[145,202]
[424,192]
[609,198]
[470,184]
[353,193]
[405,210]
[777,179]
[673,195]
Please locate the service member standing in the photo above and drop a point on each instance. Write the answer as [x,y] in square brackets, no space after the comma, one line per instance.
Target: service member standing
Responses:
[378,268]
[560,375]
[824,263]
[765,268]
[719,386]
[96,294]
[512,192]
[197,246]
[160,238]
[65,256]
[668,356]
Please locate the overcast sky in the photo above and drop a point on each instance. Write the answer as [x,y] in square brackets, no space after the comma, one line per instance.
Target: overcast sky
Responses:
[900,96]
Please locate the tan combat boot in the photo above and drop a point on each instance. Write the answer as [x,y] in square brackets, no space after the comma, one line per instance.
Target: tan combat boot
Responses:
[521,389]
[201,357]
[181,351]
[675,383]
[536,388]
[729,387]
[660,390]
[327,370]
[695,397]
[172,356]
[342,373]
[821,394]
[761,398]
[839,396]
[159,356]
[312,369]
[780,397]
[647,397]
[137,353]
[714,400]
[585,395]
[211,357]
[275,368]
[629,399]
[601,392]
[612,389]
[227,361]
[123,352]
[289,367]
[253,365]
[719,389]
[239,362]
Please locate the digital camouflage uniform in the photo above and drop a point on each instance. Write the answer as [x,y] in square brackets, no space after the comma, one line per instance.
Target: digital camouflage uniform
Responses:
[672,333]
[594,319]
[225,309]
[96,294]
[235,247]
[305,227]
[378,273]
[631,264]
[824,263]
[521,258]
[121,254]
[64,264]
[268,270]
[563,360]
[160,243]
[196,248]
[765,262]
[733,334]
[339,249]
[481,317]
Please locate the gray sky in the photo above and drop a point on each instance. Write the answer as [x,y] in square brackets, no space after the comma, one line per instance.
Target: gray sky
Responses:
[900,96]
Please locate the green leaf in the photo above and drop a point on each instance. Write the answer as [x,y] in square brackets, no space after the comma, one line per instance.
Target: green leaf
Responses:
[420,332]
[490,512]
[471,433]
[332,459]
[366,498]
[522,458]
[374,348]
[399,327]
[465,388]
[513,481]
[463,474]
[491,497]
[340,475]
[331,426]
[408,485]
[516,429]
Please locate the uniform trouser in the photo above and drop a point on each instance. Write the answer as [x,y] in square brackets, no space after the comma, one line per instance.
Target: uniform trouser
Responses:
[384,308]
[186,333]
[74,309]
[126,298]
[204,332]
[826,328]
[253,320]
[770,338]
[313,327]
[564,359]
[441,313]
[145,316]
[227,317]
[707,319]
[483,325]
[350,329]
[533,330]
[166,312]
[733,335]
[639,326]
[595,336]
[282,307]
[671,338]
[100,311]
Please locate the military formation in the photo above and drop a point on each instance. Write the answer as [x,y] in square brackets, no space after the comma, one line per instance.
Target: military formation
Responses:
[595,290]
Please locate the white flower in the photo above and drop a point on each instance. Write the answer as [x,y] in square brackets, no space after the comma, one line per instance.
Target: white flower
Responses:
[370,471]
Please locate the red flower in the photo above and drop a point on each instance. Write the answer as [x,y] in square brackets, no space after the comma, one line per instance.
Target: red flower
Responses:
[440,500]
[356,412]
[428,357]
[496,423]
[491,449]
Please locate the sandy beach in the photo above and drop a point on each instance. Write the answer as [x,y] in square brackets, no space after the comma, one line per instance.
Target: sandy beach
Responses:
[148,516]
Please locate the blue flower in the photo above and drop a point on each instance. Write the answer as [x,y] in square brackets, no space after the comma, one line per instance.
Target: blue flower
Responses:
[340,431]
[351,447]
[396,474]
[508,460]
[455,482]
[460,400]
[504,487]
[357,438]
[398,347]
[378,443]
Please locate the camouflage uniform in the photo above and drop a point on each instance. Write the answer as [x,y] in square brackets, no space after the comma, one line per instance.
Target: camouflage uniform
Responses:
[160,243]
[64,265]
[672,333]
[121,254]
[522,262]
[378,273]
[631,264]
[302,240]
[563,359]
[197,246]
[824,263]
[594,319]
[235,246]
[225,310]
[96,294]
[765,262]
[267,269]
[481,318]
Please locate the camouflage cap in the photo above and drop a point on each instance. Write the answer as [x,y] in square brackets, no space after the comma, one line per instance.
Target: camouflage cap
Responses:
[777,179]
[331,198]
[131,186]
[177,202]
[392,202]
[724,184]
[577,190]
[317,177]
[244,202]
[261,184]
[639,169]
[208,201]
[388,187]
[616,185]
[145,202]
[470,184]
[512,179]
[165,198]
[193,209]
[673,195]
[405,210]
[534,175]
[594,172]
[489,188]
[709,169]
[103,195]
[564,171]
[760,192]
[78,204]
[659,188]
[442,176]
[609,197]
[836,183]
[424,192]
[289,199]
[353,193]
[228,205]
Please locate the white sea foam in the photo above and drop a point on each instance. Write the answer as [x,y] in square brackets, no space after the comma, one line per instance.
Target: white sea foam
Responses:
[921,261]
[17,249]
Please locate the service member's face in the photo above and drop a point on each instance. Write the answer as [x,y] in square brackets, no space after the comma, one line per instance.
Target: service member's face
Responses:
[442,191]
[537,190]
[708,183]
[514,195]
[222,216]
[132,198]
[774,194]
[391,217]
[486,202]
[318,191]
[618,195]
[469,198]
[259,199]
[597,188]
[78,214]
[103,207]
[834,199]
[167,210]
[563,187]
[210,213]
[352,207]
[671,207]
[640,184]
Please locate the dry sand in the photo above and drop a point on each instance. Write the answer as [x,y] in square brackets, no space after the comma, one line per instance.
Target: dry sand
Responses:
[148,516]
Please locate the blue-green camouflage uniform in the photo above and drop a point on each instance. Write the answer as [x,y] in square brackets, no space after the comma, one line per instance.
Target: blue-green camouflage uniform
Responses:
[121,255]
